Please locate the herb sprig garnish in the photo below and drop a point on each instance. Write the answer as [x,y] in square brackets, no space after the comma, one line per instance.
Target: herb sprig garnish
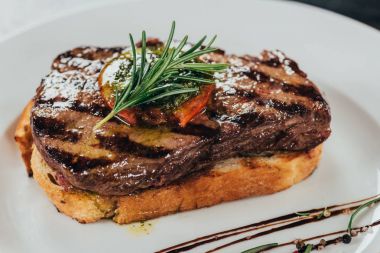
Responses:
[152,81]
[355,213]
[346,238]
[261,248]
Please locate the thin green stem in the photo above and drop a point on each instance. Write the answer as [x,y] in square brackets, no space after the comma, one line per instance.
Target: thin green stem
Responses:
[302,214]
[309,248]
[261,248]
[104,120]
[356,212]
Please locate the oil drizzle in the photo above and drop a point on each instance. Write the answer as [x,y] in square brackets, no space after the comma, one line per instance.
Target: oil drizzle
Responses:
[140,228]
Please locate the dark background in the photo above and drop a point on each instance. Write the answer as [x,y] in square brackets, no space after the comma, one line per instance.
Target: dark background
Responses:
[367,11]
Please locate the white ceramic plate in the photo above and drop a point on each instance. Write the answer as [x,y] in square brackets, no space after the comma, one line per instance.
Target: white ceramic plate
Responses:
[340,55]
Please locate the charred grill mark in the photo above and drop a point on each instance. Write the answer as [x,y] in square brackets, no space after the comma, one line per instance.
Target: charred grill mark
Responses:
[196,130]
[93,108]
[71,135]
[307,91]
[244,94]
[303,91]
[108,51]
[54,129]
[219,51]
[89,53]
[279,136]
[294,66]
[247,94]
[51,102]
[273,62]
[257,76]
[63,62]
[292,109]
[151,42]
[121,143]
[253,119]
[76,163]
[48,126]
[76,105]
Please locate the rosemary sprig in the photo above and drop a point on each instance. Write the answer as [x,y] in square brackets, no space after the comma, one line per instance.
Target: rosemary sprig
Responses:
[357,210]
[152,81]
[309,248]
[261,248]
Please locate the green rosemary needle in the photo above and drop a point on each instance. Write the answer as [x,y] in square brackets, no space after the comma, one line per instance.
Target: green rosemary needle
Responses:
[309,248]
[164,77]
[261,248]
[357,210]
[302,214]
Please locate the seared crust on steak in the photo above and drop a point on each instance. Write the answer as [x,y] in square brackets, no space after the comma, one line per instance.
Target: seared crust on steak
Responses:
[261,106]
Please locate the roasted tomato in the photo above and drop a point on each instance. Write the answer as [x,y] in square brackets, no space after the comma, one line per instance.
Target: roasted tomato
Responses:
[107,91]
[192,107]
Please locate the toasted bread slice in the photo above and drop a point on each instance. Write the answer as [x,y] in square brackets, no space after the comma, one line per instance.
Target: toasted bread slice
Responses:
[229,180]
[23,137]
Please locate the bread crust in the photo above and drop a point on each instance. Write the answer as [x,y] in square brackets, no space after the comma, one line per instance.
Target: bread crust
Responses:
[229,180]
[23,137]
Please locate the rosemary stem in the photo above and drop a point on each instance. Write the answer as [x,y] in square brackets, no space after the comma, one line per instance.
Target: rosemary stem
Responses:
[104,120]
[261,248]
[349,228]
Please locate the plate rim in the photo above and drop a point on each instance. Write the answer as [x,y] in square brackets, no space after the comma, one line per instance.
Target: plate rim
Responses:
[48,19]
[116,2]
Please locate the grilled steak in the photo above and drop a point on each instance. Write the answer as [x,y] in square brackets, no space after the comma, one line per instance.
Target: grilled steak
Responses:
[261,105]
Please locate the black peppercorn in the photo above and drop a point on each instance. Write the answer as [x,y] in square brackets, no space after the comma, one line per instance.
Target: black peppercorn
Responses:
[302,249]
[300,244]
[346,238]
